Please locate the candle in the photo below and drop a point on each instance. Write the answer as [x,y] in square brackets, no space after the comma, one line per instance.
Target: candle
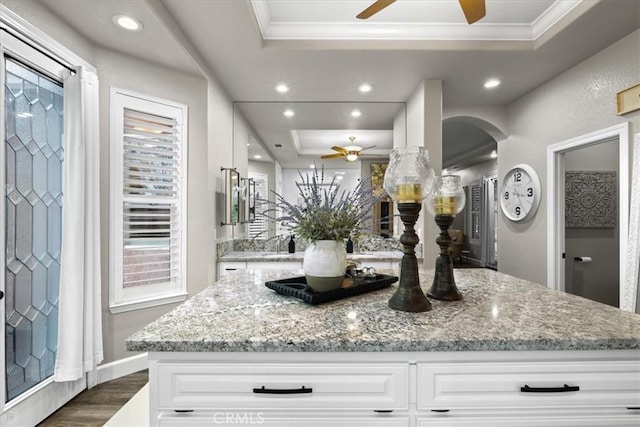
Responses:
[409,193]
[445,205]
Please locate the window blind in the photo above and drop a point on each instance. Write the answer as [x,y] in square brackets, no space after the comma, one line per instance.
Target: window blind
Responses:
[151,199]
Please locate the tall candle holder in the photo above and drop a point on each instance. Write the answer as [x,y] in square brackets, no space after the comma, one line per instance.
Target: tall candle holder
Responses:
[446,201]
[409,178]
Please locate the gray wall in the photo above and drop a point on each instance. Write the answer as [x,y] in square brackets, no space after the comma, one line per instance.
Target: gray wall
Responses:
[577,102]
[117,70]
[598,280]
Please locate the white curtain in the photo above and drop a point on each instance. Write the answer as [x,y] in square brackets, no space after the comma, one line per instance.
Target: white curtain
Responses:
[79,321]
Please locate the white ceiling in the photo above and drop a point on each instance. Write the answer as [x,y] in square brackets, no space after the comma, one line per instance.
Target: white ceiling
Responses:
[323,53]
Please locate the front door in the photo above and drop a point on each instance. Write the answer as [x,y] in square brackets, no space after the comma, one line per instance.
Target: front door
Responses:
[31,211]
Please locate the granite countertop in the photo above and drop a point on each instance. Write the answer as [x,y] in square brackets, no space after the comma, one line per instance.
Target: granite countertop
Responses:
[498,312]
[299,256]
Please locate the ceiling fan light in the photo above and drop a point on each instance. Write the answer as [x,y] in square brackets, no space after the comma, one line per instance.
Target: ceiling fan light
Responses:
[352,157]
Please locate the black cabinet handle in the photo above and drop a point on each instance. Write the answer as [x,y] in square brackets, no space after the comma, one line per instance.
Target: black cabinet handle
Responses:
[301,390]
[183,411]
[383,411]
[1,294]
[440,411]
[566,388]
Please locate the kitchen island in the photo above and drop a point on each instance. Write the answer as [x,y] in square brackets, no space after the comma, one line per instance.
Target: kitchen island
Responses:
[510,353]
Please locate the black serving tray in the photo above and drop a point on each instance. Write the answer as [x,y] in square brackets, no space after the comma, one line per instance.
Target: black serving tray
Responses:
[297,287]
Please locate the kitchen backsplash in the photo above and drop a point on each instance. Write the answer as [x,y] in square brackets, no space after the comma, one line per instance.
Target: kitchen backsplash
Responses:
[364,244]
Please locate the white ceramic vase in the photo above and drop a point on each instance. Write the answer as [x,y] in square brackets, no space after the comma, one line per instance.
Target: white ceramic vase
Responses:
[325,264]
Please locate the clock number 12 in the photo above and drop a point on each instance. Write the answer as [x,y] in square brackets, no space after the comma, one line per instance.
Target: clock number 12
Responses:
[517,177]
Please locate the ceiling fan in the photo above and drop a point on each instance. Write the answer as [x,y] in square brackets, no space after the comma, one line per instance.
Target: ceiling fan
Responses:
[351,152]
[474,10]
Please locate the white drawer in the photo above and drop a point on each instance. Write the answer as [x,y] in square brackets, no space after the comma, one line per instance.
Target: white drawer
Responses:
[226,267]
[533,420]
[502,385]
[274,265]
[279,386]
[275,420]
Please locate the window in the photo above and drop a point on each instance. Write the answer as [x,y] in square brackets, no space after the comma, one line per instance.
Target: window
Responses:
[475,212]
[258,229]
[148,200]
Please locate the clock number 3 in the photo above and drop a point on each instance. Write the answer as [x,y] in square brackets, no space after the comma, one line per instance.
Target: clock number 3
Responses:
[530,192]
[506,195]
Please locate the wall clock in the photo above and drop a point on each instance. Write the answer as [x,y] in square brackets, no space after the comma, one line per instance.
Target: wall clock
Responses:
[520,193]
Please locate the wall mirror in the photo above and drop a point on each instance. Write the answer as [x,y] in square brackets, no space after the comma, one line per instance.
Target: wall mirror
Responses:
[231,196]
[281,145]
[630,298]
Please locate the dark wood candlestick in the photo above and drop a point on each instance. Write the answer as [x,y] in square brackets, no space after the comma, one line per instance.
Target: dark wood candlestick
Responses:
[409,295]
[444,285]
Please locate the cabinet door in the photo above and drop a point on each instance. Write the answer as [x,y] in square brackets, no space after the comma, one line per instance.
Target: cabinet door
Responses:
[275,386]
[528,385]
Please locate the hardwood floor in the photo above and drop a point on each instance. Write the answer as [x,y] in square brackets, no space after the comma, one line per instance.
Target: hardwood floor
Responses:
[94,407]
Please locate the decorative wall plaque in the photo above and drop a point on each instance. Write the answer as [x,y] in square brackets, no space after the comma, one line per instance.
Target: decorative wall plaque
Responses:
[590,199]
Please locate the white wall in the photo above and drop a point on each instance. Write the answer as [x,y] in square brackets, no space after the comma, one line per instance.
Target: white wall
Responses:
[577,102]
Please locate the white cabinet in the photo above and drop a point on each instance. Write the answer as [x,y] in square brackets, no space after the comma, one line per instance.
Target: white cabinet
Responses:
[280,420]
[528,385]
[282,386]
[226,267]
[274,265]
[501,389]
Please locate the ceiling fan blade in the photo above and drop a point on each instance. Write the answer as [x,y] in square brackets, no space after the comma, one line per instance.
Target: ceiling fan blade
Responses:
[474,10]
[366,148]
[339,149]
[374,8]
[333,156]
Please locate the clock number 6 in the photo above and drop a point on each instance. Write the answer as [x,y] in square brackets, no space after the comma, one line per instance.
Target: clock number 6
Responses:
[518,210]
[517,177]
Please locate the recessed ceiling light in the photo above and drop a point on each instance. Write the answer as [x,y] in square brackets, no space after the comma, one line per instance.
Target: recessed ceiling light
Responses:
[257,156]
[128,23]
[356,113]
[289,113]
[248,144]
[494,154]
[492,83]
[282,88]
[365,88]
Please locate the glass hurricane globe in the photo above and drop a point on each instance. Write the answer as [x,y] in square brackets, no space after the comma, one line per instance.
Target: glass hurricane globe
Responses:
[409,178]
[448,196]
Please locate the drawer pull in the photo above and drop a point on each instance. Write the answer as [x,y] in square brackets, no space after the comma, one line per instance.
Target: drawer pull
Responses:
[383,411]
[634,408]
[440,411]
[566,388]
[183,411]
[302,390]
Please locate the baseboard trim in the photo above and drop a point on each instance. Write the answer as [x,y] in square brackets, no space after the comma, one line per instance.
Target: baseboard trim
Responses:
[120,368]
